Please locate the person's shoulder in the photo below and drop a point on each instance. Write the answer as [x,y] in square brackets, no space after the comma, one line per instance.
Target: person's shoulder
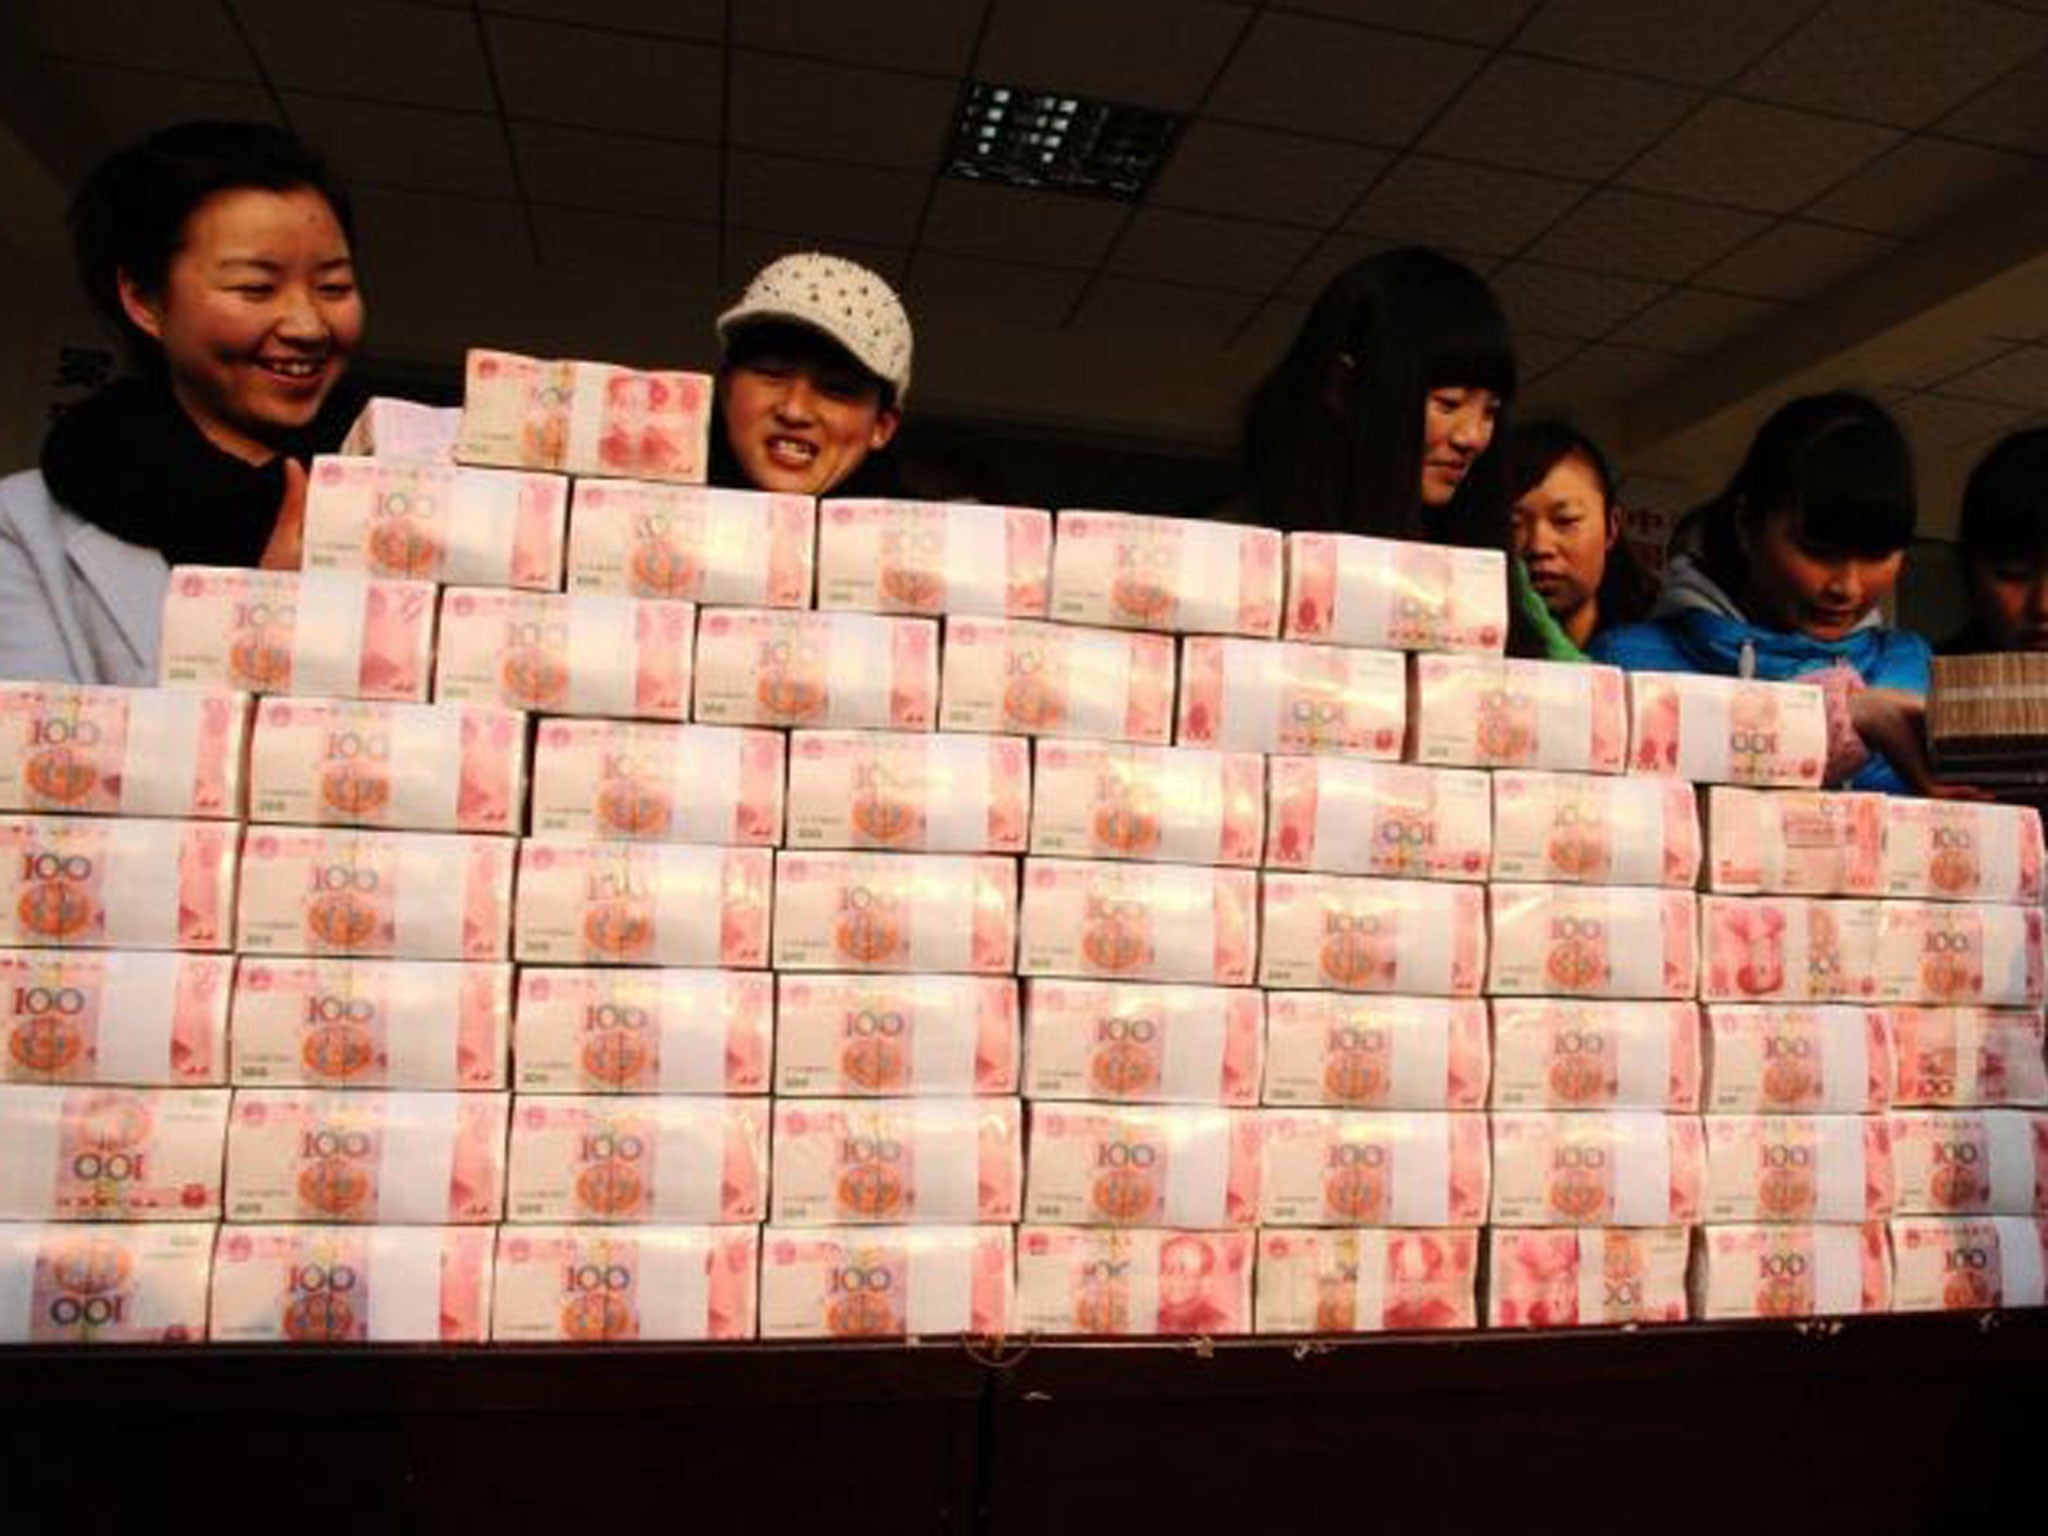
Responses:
[1649,646]
[1904,659]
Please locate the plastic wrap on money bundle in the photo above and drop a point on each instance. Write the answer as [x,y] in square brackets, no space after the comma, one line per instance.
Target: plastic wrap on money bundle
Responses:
[436,522]
[1798,1168]
[375,895]
[1182,575]
[410,767]
[1572,828]
[1582,1053]
[418,1024]
[1791,1271]
[1348,816]
[1959,850]
[72,747]
[1954,1057]
[1954,953]
[561,654]
[1981,1162]
[1138,922]
[1177,805]
[135,1018]
[638,1158]
[1142,1165]
[1370,1052]
[927,1162]
[1368,1280]
[389,428]
[858,1035]
[1095,1282]
[1346,589]
[1987,718]
[735,548]
[1504,712]
[117,883]
[643,781]
[1032,679]
[1613,941]
[103,1283]
[1585,1277]
[352,1285]
[598,903]
[1799,1058]
[1136,1042]
[909,793]
[1787,949]
[842,671]
[1612,1168]
[1349,934]
[886,1282]
[934,557]
[1372,1168]
[584,418]
[1727,730]
[111,1154]
[939,912]
[1957,1264]
[389,1157]
[619,1285]
[613,1029]
[1795,842]
[333,634]
[1287,697]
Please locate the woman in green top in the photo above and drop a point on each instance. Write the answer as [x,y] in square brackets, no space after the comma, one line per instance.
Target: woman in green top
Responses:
[1572,573]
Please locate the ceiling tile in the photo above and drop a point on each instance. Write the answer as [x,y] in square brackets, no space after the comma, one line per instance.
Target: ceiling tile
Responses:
[1271,332]
[1758,156]
[1561,302]
[1694,320]
[1797,260]
[1537,354]
[585,240]
[1154,53]
[606,80]
[1350,82]
[1938,422]
[347,46]
[580,168]
[811,201]
[1339,251]
[747,251]
[407,146]
[977,219]
[997,292]
[1600,373]
[125,105]
[930,35]
[836,113]
[1898,61]
[1679,40]
[1920,183]
[702,19]
[1427,201]
[180,37]
[1255,174]
[1163,312]
[2018,376]
[2013,113]
[1637,235]
[435,232]
[1949,356]
[1558,118]
[1469,21]
[1196,248]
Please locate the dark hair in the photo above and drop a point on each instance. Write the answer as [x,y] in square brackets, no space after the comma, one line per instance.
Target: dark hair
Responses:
[1627,592]
[879,473]
[129,215]
[2005,503]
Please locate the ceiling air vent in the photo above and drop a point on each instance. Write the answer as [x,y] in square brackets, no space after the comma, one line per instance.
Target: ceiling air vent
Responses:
[1042,139]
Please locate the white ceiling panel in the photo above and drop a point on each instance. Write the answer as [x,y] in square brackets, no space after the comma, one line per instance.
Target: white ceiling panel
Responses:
[1958,354]
[1339,251]
[188,37]
[1694,320]
[2017,376]
[1428,201]
[823,203]
[123,105]
[605,244]
[1681,40]
[1263,342]
[376,48]
[976,219]
[431,232]
[651,85]
[1938,422]
[998,292]
[1558,118]
[1634,234]
[1198,248]
[931,35]
[407,146]
[1537,354]
[582,168]
[1923,181]
[1470,21]
[1757,156]
[1141,311]
[2012,114]
[701,19]
[1153,53]
[1220,168]
[859,115]
[1796,260]
[1318,76]
[1598,375]
[1561,302]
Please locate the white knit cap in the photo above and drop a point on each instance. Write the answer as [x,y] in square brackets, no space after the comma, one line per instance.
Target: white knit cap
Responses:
[841,298]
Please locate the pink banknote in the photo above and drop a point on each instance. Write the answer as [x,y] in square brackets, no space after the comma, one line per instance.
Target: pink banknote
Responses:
[1142,1043]
[934,557]
[1593,941]
[1594,830]
[132,1017]
[1581,1277]
[584,418]
[1791,1271]
[1805,1058]
[122,751]
[565,654]
[1581,1053]
[1093,1282]
[846,671]
[420,767]
[352,1285]
[1143,1166]
[1981,1162]
[1959,850]
[111,1154]
[1726,730]
[392,1158]
[610,1029]
[1032,679]
[1618,1168]
[102,883]
[1953,953]
[745,549]
[375,895]
[1795,842]
[1346,934]
[1962,1056]
[1501,712]
[653,1158]
[69,1283]
[617,1285]
[1347,589]
[856,1035]
[939,1162]
[944,912]
[642,781]
[601,903]
[1372,1168]
[330,634]
[885,1282]
[1954,1264]
[1282,696]
[909,793]
[1119,800]
[1361,1052]
[1798,1168]
[1181,575]
[436,522]
[1138,922]
[1346,816]
[372,1024]
[1367,1280]
[389,428]
[1793,949]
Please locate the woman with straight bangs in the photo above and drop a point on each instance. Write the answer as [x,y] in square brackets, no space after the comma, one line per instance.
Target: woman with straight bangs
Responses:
[1573,574]
[2002,546]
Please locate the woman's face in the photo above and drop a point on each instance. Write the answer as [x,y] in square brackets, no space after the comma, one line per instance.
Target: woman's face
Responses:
[1812,589]
[1563,529]
[1457,426]
[2010,598]
[258,316]
[799,419]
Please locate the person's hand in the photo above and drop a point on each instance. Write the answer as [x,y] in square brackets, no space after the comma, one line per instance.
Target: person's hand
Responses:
[1894,722]
[286,550]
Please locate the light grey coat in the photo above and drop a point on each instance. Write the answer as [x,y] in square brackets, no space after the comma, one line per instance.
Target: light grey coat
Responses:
[76,603]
